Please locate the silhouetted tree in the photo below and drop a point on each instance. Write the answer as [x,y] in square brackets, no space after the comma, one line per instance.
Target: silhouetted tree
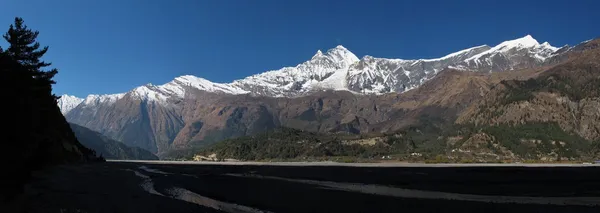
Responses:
[25,49]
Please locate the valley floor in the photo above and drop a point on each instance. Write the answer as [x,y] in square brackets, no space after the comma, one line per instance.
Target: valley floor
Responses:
[376,164]
[122,186]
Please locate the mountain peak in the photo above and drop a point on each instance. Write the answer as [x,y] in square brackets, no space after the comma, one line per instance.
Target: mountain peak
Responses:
[341,54]
[338,50]
[67,102]
[526,41]
[520,43]
[188,79]
[318,54]
[340,47]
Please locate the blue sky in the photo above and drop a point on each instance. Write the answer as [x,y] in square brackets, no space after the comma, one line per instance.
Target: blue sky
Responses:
[113,46]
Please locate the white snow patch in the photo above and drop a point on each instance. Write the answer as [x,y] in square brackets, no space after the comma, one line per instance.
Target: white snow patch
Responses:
[92,100]
[203,84]
[149,92]
[337,81]
[550,47]
[458,68]
[176,88]
[539,57]
[453,54]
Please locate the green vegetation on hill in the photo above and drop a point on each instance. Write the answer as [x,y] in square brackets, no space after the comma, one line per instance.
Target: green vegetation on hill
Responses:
[520,90]
[429,139]
[427,136]
[547,135]
[290,144]
[284,143]
[574,81]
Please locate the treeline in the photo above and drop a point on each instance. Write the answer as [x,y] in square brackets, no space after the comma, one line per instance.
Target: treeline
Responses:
[284,143]
[289,144]
[548,137]
[428,138]
[576,81]
[35,133]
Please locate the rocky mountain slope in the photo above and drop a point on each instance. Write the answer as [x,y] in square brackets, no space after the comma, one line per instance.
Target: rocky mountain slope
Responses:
[361,96]
[108,148]
[568,94]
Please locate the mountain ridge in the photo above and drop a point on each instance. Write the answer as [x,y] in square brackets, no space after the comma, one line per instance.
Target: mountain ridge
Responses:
[336,69]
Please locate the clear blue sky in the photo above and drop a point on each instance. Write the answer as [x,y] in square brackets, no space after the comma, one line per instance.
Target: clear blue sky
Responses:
[112,46]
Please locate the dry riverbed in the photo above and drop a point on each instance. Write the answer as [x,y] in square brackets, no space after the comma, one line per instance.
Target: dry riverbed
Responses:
[159,186]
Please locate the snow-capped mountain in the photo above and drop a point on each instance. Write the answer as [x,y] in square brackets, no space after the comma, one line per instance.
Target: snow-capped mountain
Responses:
[192,111]
[380,75]
[67,102]
[510,55]
[340,69]
[176,88]
[322,71]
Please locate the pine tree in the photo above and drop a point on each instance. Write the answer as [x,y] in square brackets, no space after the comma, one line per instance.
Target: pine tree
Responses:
[26,50]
